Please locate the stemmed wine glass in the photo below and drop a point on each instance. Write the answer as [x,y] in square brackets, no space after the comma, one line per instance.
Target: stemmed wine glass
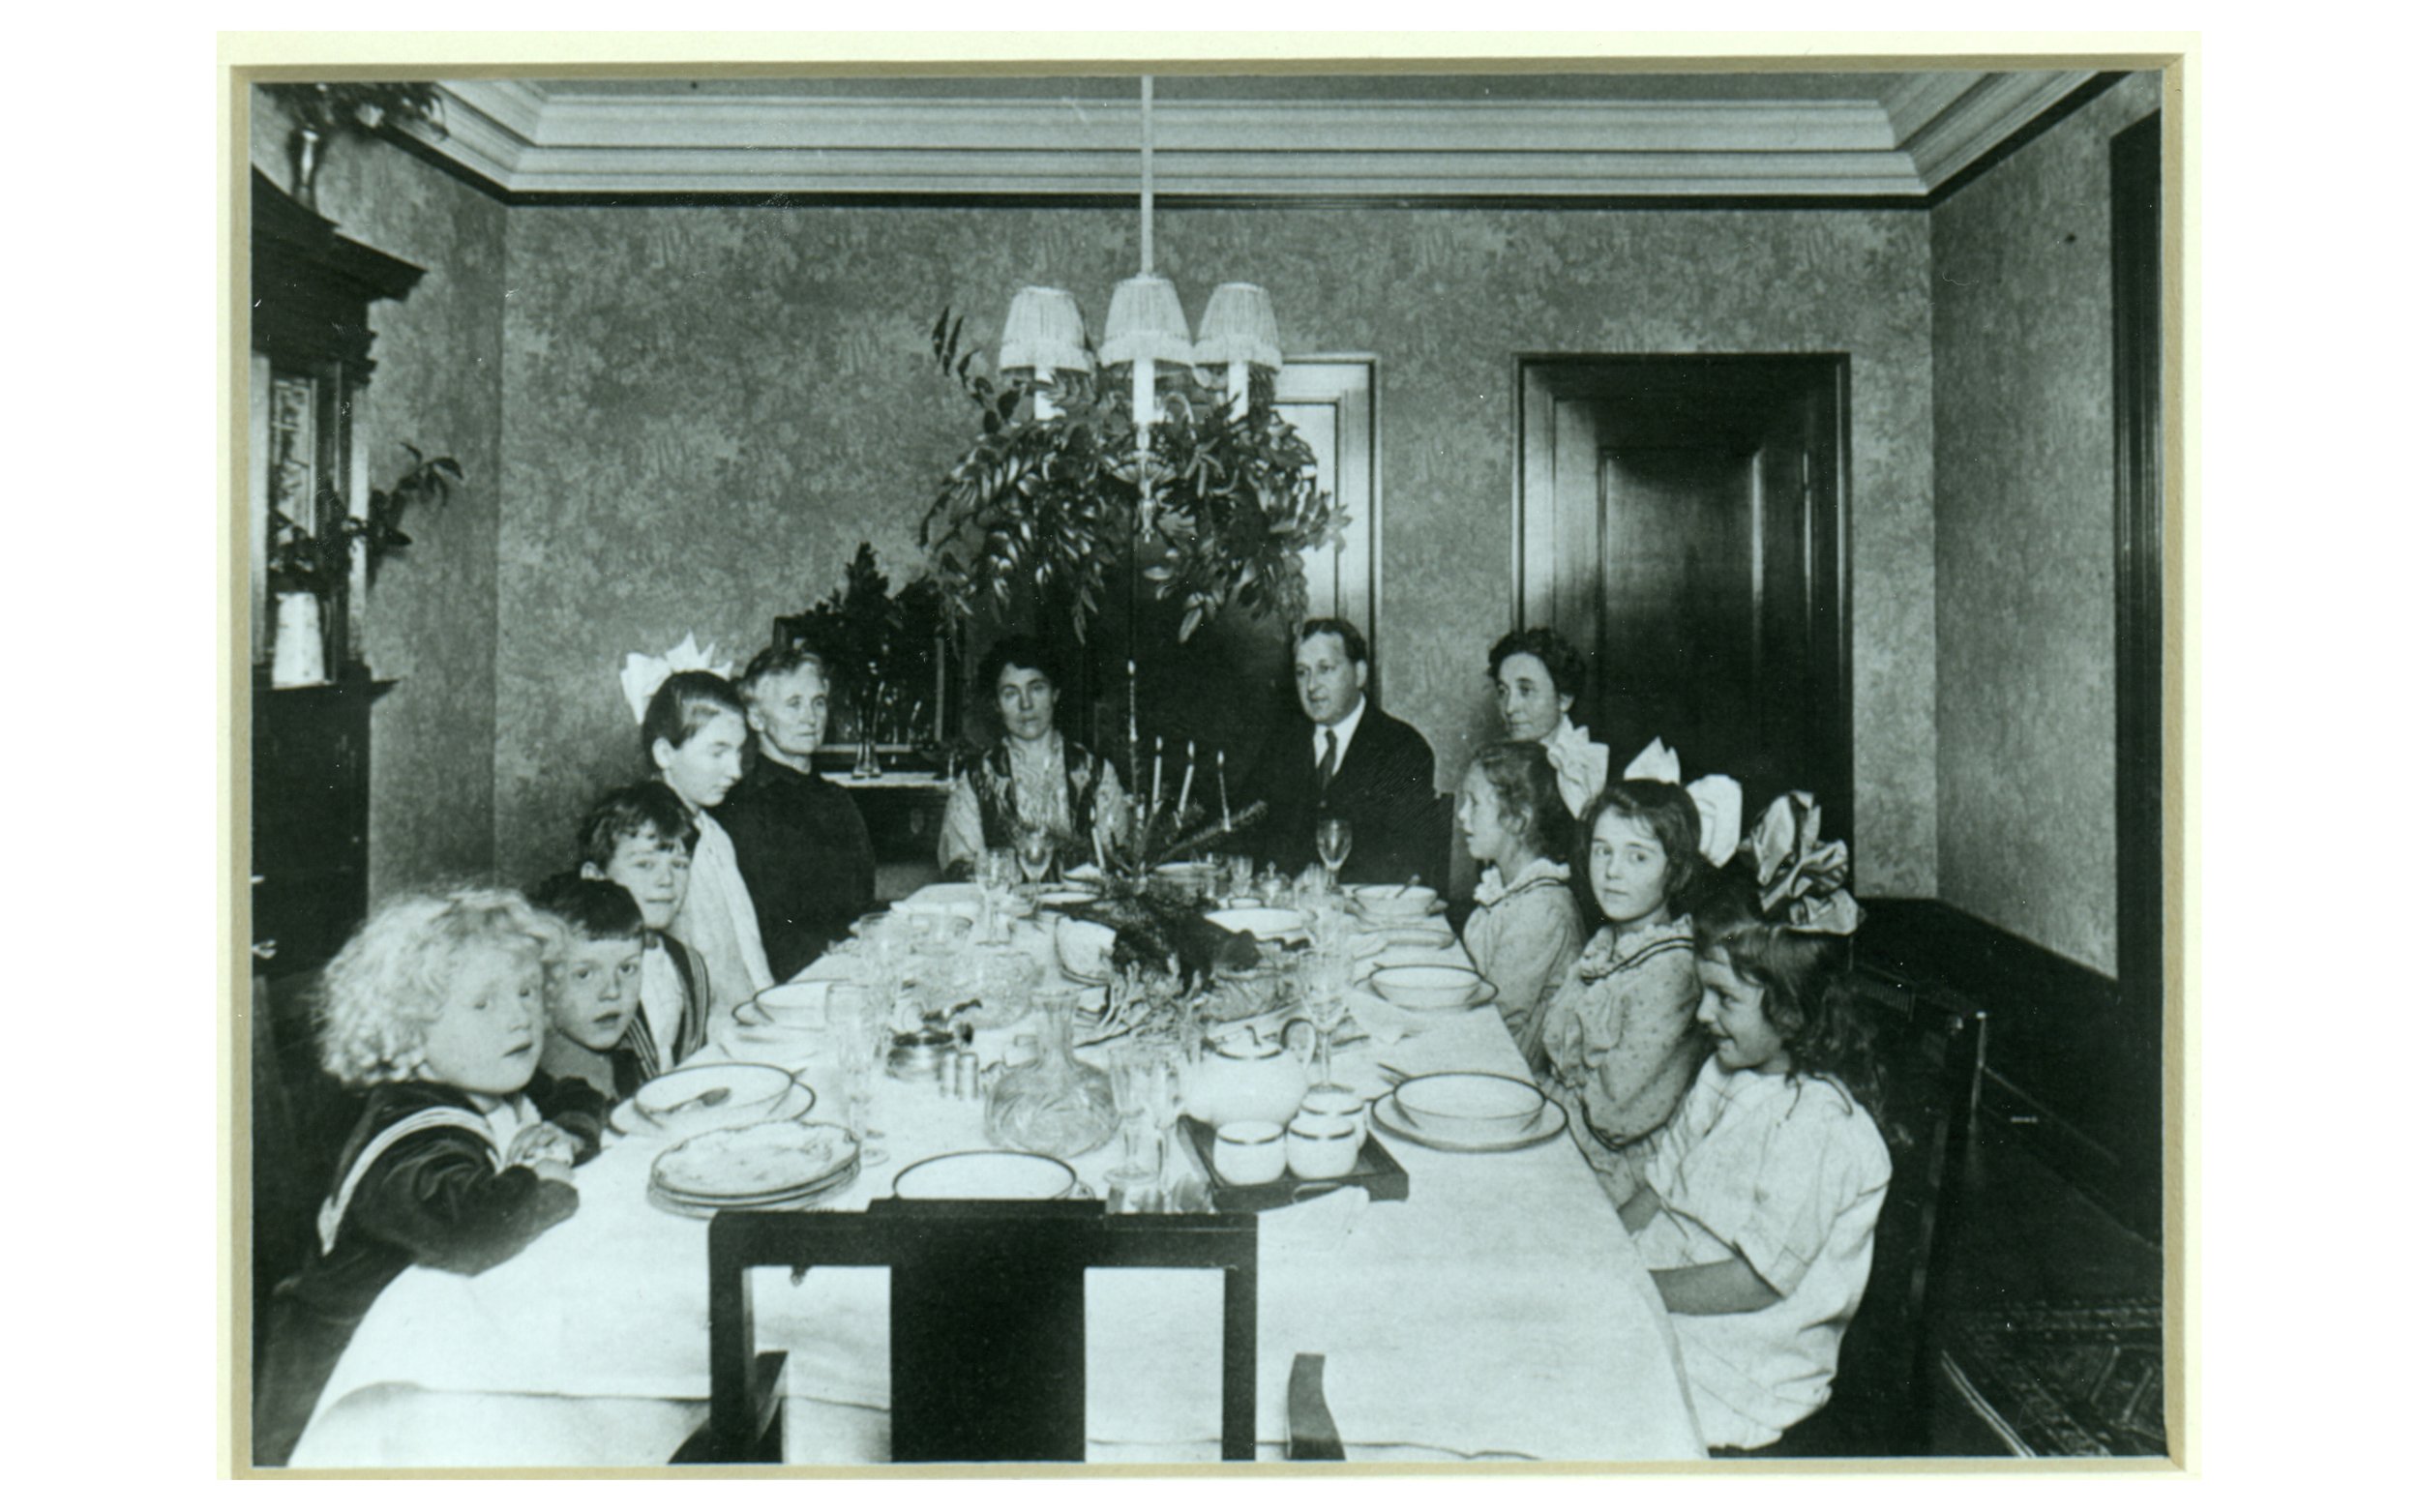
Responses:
[1036,849]
[1335,843]
[1325,975]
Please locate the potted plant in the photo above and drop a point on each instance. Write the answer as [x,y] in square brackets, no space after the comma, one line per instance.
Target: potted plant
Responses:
[883,648]
[1044,510]
[325,111]
[310,570]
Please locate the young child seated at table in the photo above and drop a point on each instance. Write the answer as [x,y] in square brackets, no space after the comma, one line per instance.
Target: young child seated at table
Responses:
[464,1153]
[694,731]
[592,1032]
[1620,1036]
[641,837]
[1757,1217]
[1524,933]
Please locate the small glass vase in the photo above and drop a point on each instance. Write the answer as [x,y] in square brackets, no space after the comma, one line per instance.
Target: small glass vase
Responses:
[1056,1105]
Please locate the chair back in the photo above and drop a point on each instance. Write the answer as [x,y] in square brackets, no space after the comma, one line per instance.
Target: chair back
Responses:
[986,1319]
[300,1119]
[1929,1047]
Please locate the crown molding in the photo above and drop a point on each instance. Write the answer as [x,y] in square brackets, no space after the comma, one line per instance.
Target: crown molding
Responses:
[532,141]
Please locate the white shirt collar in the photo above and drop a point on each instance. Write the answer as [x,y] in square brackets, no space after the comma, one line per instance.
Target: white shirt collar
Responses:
[1343,730]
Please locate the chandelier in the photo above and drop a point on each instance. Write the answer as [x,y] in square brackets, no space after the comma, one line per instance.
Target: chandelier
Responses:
[1045,334]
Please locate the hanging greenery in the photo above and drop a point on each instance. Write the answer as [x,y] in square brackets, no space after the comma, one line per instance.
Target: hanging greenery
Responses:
[331,109]
[883,647]
[1049,510]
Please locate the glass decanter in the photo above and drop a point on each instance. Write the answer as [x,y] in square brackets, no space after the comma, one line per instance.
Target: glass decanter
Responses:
[1055,1104]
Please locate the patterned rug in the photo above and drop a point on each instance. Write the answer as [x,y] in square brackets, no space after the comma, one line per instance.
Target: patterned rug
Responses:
[2064,1378]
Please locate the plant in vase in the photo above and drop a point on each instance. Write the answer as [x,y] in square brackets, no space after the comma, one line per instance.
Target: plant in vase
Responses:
[310,570]
[884,647]
[321,112]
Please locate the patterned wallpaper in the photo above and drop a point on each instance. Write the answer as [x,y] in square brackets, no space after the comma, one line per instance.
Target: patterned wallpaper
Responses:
[434,612]
[2026,588]
[706,408]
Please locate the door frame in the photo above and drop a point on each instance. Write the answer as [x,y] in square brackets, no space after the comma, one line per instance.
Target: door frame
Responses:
[1540,380]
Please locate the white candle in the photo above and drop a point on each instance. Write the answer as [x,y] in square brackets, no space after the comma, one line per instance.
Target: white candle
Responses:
[1159,754]
[1184,793]
[1226,816]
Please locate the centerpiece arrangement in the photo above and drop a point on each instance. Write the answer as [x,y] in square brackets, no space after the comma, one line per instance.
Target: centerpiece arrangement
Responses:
[886,651]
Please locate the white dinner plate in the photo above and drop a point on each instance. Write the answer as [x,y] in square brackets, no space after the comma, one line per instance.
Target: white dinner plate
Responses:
[1273,925]
[988,1175]
[1551,1123]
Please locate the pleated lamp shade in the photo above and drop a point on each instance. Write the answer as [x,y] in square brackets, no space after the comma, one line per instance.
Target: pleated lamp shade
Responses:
[1238,326]
[1045,329]
[1146,319]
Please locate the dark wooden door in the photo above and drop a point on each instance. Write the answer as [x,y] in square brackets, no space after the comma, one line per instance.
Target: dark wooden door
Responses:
[1682,526]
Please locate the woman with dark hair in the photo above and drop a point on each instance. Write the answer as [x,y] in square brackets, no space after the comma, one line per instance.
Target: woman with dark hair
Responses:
[1032,775]
[1536,676]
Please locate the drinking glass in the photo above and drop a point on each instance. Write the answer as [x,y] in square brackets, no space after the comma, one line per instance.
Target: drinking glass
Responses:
[1138,1076]
[1036,848]
[860,1030]
[1335,843]
[1238,876]
[1327,975]
[995,871]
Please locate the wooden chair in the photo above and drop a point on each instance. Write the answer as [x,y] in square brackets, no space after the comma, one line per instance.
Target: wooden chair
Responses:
[1930,1046]
[986,1323]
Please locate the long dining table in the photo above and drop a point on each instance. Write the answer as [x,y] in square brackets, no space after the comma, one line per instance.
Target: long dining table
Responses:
[1500,1312]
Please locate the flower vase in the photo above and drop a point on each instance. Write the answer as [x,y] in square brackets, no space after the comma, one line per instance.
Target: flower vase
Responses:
[868,747]
[298,659]
[1056,1105]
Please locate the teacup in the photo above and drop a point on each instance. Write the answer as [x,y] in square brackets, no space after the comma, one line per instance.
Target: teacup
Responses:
[1321,1147]
[1251,1153]
[1336,1102]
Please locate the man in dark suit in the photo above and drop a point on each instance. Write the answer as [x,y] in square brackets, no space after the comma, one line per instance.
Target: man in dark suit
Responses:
[1348,757]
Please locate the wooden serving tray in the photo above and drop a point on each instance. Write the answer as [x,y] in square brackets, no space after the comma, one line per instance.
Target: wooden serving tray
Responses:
[1376,1170]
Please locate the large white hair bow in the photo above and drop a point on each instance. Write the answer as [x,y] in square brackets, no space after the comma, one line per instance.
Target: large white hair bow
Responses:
[1719,799]
[1797,870]
[1579,764]
[641,674]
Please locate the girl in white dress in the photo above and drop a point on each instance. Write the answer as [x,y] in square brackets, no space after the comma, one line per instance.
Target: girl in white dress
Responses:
[694,730]
[1760,1198]
[1525,933]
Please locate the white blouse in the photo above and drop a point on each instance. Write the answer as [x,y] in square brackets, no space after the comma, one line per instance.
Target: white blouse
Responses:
[718,921]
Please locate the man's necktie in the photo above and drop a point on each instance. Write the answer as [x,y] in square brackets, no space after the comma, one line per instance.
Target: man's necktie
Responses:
[1326,762]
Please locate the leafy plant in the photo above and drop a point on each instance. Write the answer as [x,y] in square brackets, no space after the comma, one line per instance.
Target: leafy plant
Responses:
[359,108]
[302,560]
[881,645]
[1045,510]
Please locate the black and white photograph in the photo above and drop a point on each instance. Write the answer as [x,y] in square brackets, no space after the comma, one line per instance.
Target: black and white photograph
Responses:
[1458,761]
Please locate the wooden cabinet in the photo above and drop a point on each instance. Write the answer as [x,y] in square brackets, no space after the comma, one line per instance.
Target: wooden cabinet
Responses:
[310,819]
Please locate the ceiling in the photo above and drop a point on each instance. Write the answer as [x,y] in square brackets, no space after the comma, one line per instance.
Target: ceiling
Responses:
[1445,138]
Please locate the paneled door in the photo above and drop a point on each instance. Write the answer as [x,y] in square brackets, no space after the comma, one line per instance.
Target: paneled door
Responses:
[1683,523]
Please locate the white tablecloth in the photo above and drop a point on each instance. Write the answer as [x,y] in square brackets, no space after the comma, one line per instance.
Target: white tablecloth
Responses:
[1501,1312]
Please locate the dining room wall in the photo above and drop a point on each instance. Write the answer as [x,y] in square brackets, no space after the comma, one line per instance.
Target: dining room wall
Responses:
[2025,462]
[431,622]
[706,408]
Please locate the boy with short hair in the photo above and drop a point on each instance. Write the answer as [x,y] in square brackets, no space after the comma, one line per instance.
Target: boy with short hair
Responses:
[593,983]
[640,837]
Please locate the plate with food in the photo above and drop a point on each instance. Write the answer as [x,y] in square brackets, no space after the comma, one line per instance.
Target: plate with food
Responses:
[764,1162]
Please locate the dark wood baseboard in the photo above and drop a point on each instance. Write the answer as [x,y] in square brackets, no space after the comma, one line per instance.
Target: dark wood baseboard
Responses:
[2074,1072]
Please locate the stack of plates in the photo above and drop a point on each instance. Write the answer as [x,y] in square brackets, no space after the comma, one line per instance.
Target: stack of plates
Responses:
[1470,1111]
[762,1168]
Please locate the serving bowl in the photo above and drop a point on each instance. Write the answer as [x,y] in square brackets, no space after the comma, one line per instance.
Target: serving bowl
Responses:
[1431,989]
[1470,1107]
[1084,948]
[695,1099]
[1387,904]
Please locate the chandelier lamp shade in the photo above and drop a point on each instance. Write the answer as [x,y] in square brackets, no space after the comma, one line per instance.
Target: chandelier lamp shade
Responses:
[1044,334]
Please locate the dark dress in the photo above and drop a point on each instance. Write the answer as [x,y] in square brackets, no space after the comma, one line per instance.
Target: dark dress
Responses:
[1385,788]
[806,858]
[441,1195]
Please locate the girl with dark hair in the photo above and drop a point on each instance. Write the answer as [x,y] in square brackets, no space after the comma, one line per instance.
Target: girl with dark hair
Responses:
[694,730]
[1759,1200]
[1620,1037]
[1525,932]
